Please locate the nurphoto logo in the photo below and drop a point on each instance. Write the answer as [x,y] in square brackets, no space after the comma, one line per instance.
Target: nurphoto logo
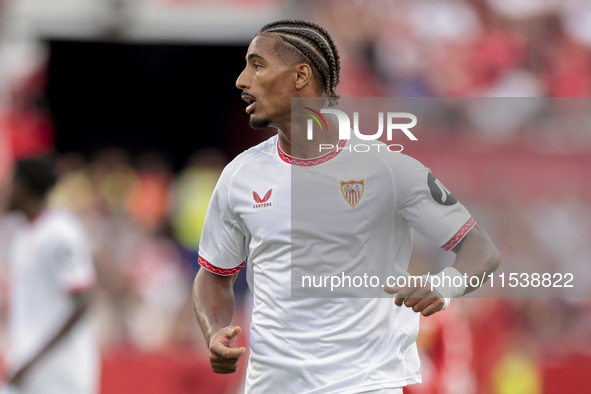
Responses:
[345,128]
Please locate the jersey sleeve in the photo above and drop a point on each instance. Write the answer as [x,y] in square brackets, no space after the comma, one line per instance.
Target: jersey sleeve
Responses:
[222,248]
[428,206]
[72,263]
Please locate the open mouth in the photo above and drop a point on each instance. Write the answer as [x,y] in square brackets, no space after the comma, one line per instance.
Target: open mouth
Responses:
[250,100]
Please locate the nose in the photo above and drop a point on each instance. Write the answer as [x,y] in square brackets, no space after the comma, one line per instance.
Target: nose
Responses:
[242,82]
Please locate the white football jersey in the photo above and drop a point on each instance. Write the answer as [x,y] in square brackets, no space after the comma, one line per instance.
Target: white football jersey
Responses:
[364,210]
[50,259]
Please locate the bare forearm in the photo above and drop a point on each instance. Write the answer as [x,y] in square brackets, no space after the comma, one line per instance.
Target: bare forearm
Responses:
[213,300]
[476,256]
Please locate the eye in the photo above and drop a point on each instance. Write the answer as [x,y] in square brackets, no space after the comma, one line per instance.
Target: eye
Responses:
[257,67]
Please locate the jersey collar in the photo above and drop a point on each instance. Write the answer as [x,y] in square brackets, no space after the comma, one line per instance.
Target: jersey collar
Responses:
[310,162]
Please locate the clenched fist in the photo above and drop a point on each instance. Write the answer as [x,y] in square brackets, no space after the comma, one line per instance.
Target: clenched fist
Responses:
[223,355]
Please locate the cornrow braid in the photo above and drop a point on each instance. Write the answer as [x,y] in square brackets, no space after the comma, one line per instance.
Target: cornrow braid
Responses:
[314,42]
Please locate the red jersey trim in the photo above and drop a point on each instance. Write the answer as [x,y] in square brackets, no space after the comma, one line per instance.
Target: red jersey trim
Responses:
[310,162]
[459,235]
[80,287]
[219,271]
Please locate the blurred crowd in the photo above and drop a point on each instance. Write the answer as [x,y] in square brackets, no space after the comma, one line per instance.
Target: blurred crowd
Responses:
[500,48]
[144,224]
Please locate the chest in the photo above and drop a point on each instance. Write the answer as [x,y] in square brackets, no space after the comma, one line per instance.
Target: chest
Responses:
[281,203]
[30,261]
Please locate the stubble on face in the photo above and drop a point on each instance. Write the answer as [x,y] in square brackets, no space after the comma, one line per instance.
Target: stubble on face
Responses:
[258,123]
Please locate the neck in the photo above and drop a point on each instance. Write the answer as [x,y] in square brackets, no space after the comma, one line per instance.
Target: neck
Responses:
[293,140]
[34,209]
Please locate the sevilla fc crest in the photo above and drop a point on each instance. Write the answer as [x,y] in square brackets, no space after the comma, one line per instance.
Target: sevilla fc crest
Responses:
[352,191]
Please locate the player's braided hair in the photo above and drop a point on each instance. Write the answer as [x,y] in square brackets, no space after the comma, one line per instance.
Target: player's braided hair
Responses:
[317,47]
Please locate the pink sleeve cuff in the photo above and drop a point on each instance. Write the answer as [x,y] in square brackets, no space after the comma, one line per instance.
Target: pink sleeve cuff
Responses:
[220,271]
[449,245]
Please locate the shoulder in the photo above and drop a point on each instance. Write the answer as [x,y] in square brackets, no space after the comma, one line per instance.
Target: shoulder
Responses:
[405,164]
[396,162]
[251,157]
[62,226]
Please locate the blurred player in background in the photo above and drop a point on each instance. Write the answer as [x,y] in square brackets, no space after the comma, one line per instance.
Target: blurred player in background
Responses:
[320,345]
[52,346]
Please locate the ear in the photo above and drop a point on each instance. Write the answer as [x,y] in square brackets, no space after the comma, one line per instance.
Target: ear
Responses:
[303,75]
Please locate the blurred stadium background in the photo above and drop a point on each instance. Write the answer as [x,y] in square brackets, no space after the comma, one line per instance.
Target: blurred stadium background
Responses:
[136,100]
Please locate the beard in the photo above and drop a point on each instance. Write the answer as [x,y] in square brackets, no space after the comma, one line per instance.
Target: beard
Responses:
[258,123]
